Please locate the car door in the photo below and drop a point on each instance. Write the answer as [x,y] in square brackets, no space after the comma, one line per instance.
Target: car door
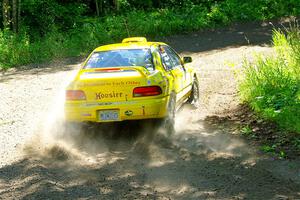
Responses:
[175,69]
[186,68]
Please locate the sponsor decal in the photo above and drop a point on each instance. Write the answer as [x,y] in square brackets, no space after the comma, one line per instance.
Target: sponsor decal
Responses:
[113,94]
[128,112]
[117,83]
[109,103]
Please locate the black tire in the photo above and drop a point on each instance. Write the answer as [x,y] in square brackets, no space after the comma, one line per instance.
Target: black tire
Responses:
[195,95]
[169,120]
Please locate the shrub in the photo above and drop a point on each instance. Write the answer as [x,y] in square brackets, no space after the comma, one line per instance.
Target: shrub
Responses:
[272,85]
[55,29]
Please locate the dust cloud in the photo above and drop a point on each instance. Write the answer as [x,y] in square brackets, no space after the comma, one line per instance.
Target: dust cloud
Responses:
[201,132]
[50,139]
[56,140]
[59,141]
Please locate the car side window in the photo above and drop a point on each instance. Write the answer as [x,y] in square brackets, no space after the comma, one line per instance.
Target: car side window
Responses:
[174,57]
[166,60]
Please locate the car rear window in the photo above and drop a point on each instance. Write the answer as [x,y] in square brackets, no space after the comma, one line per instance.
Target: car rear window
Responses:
[121,57]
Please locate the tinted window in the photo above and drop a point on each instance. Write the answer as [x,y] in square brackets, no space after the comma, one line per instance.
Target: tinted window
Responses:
[121,57]
[174,58]
[167,62]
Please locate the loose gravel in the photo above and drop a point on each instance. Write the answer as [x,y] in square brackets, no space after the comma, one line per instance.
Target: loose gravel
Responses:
[203,160]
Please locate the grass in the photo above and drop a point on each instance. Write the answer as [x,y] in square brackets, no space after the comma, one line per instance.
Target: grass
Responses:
[21,49]
[271,86]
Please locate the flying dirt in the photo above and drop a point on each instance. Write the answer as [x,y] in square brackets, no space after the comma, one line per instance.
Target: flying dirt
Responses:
[41,158]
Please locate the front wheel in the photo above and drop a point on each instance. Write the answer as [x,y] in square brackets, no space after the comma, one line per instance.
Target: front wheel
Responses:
[194,96]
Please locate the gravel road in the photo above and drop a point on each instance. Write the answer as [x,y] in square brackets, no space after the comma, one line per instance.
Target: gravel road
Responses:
[203,160]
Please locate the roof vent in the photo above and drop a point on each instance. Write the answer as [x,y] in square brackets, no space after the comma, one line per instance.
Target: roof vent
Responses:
[134,39]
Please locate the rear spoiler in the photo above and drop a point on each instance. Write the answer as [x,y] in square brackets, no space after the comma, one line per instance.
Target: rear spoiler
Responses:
[142,70]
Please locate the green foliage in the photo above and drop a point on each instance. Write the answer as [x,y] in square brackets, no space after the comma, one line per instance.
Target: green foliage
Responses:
[272,85]
[23,48]
[260,9]
[59,28]
[272,149]
[42,16]
[16,50]
[246,130]
[268,148]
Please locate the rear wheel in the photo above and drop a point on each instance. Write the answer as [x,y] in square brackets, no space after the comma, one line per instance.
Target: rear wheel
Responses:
[194,96]
[169,120]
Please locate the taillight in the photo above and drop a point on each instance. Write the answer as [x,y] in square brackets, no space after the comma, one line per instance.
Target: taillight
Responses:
[146,91]
[73,95]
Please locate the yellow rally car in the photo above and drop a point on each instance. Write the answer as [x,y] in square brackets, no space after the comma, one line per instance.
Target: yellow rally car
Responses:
[132,80]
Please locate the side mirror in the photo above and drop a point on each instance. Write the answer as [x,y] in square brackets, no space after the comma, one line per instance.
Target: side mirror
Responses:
[187,59]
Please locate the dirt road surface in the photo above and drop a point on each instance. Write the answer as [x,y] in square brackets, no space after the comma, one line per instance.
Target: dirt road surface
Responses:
[205,159]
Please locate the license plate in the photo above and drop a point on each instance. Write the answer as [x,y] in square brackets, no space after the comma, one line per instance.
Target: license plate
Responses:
[109,115]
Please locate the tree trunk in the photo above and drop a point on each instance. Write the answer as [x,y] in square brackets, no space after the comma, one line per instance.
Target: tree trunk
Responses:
[6,13]
[14,15]
[19,14]
[116,5]
[101,6]
[97,8]
[156,3]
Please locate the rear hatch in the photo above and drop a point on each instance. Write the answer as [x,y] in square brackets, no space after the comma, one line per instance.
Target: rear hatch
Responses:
[110,84]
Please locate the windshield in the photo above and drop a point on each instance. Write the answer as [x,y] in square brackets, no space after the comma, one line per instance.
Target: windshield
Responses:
[121,57]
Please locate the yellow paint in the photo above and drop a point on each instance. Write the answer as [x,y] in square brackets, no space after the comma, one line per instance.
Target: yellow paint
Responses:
[114,90]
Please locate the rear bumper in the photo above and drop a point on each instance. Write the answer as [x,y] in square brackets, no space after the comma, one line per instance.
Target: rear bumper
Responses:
[128,110]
